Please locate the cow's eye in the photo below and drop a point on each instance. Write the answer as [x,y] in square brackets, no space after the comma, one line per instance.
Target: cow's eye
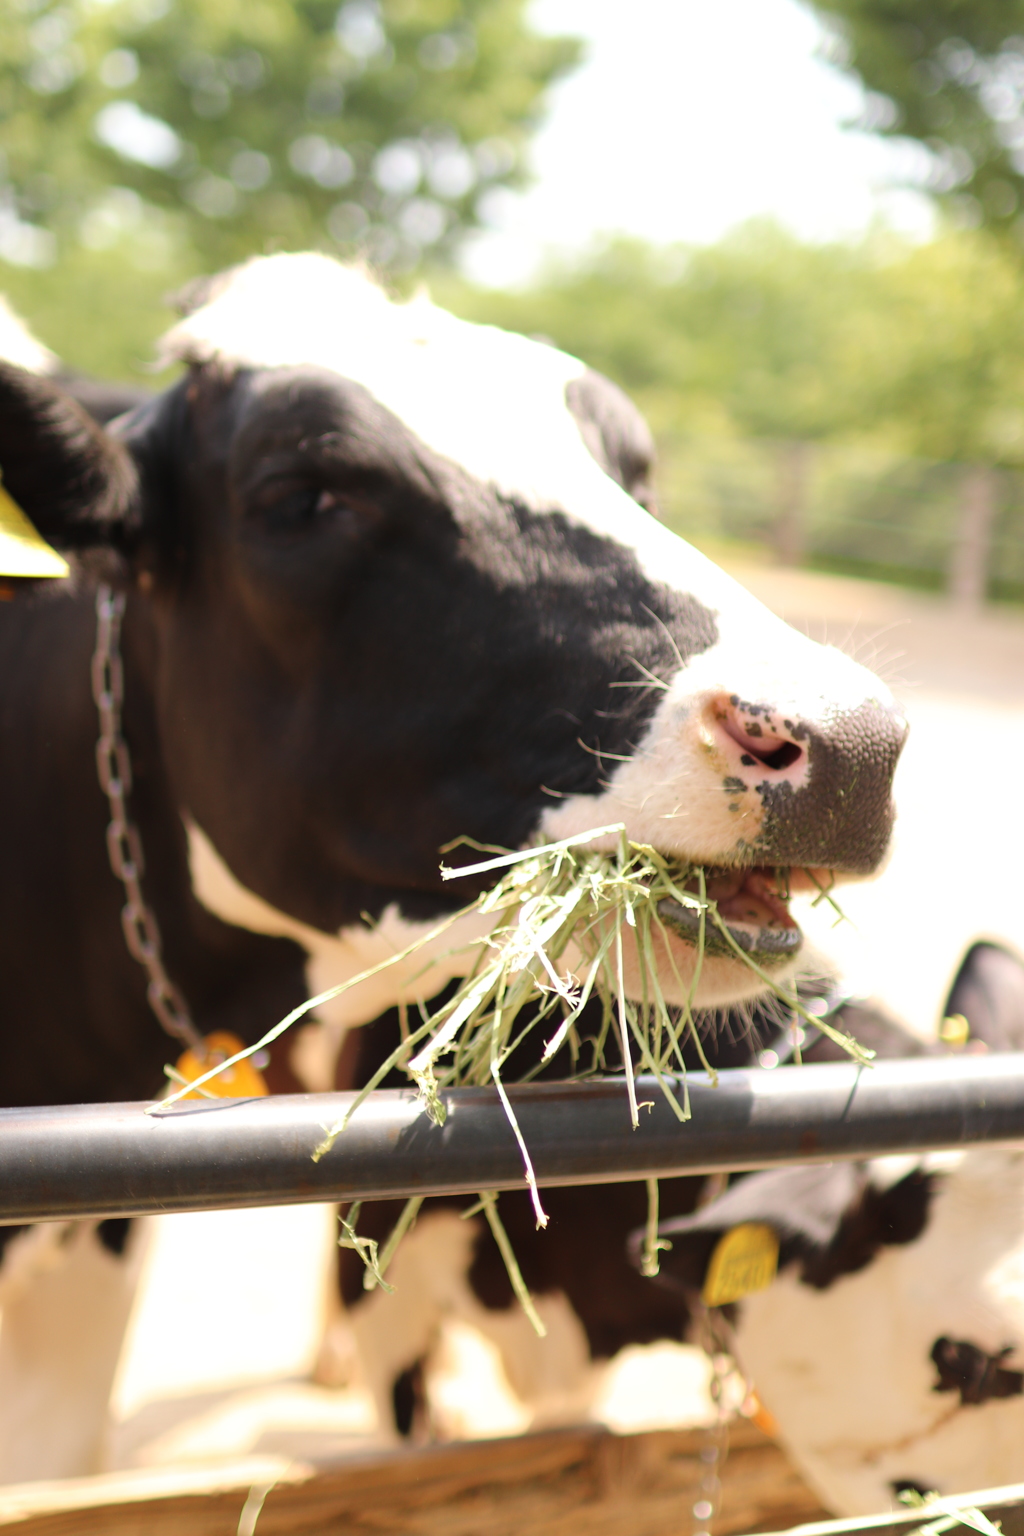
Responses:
[303,506]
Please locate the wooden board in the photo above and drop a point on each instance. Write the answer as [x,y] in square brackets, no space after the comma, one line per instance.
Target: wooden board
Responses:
[561,1483]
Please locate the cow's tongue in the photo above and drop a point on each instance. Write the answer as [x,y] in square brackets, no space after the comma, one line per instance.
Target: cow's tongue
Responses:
[749,903]
[748,896]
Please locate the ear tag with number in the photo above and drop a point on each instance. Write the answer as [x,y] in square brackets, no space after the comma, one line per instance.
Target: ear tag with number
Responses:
[242,1081]
[745,1260]
[23,550]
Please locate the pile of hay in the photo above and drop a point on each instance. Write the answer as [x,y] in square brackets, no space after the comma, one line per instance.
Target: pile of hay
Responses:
[560,914]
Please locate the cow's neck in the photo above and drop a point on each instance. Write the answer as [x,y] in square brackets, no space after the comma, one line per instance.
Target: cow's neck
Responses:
[59,897]
[332,959]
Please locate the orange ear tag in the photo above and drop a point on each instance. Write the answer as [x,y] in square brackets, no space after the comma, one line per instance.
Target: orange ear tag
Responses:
[745,1260]
[242,1081]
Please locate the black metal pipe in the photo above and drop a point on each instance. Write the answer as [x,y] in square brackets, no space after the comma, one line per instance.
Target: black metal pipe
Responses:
[113,1159]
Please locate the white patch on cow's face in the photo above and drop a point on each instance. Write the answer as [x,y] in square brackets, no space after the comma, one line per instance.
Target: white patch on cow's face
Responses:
[486,399]
[20,347]
[339,957]
[847,1371]
[495,404]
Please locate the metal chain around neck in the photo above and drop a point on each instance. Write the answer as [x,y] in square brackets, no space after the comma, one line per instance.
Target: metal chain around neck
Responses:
[124,846]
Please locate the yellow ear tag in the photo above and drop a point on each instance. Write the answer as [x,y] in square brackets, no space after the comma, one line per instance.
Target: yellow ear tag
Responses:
[955,1031]
[745,1260]
[23,550]
[242,1081]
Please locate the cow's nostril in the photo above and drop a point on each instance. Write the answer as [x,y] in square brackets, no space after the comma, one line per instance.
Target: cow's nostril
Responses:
[784,755]
[760,738]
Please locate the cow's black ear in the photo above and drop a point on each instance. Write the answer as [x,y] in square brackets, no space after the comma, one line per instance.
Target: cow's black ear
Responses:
[616,434]
[878,1218]
[75,482]
[988,992]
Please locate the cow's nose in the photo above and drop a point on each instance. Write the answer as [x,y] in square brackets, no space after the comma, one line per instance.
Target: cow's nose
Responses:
[824,781]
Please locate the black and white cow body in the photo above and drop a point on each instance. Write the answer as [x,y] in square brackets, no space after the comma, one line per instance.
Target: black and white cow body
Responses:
[381,595]
[890,1349]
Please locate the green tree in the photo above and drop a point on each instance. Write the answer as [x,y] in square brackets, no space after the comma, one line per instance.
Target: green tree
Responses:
[919,349]
[758,330]
[941,351]
[950,74]
[258,124]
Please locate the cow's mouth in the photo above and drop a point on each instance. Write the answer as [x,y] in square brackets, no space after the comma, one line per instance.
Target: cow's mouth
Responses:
[754,906]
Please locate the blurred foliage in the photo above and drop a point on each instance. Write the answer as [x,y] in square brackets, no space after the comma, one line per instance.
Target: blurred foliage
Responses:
[103,310]
[837,390]
[245,125]
[917,349]
[950,74]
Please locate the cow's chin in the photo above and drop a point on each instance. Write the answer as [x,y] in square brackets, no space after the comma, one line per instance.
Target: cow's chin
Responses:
[724,978]
[756,938]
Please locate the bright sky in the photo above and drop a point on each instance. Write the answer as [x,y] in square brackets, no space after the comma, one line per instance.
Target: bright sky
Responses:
[688,117]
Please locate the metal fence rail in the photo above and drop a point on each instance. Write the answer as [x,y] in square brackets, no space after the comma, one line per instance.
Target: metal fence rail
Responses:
[848,506]
[113,1159]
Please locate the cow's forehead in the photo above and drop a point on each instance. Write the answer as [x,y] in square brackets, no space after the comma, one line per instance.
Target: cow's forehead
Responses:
[493,402]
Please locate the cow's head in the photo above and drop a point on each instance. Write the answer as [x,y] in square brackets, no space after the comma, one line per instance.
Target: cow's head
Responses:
[402,585]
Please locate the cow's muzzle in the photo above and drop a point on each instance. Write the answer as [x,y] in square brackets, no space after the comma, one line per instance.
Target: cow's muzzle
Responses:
[823,788]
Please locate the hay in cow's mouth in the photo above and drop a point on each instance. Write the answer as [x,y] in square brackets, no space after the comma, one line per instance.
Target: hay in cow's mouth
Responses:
[560,913]
[751,914]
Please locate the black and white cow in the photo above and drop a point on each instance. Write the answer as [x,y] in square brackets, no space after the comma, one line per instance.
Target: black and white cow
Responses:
[890,1348]
[388,583]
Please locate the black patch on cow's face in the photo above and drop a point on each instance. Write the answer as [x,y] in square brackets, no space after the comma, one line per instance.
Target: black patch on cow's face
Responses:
[410,656]
[615,433]
[843,818]
[831,1221]
[879,1218]
[975,1374]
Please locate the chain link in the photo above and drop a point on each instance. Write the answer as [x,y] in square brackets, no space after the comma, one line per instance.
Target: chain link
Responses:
[124,846]
[715,1339]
